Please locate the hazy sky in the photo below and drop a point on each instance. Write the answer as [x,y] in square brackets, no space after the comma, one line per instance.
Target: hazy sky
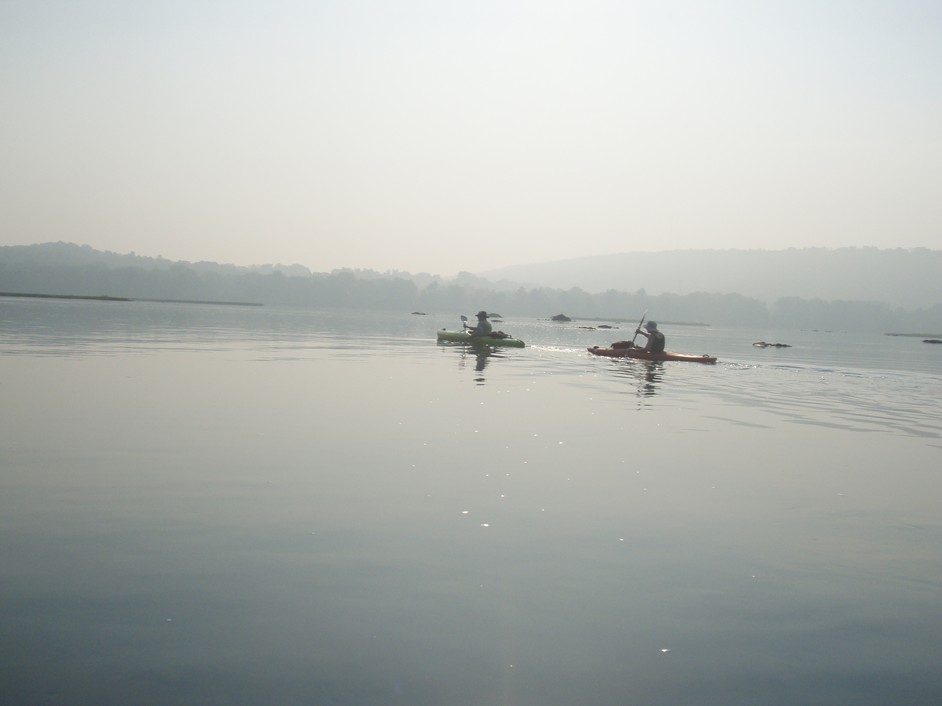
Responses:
[441,136]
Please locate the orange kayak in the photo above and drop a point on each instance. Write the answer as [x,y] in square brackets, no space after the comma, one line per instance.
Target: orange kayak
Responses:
[640,354]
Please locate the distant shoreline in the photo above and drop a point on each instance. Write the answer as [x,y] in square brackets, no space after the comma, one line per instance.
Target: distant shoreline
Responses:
[106,298]
[632,323]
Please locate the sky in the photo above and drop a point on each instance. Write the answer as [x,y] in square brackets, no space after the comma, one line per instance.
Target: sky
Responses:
[440,136]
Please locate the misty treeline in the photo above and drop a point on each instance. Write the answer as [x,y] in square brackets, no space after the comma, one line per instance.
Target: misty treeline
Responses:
[163,280]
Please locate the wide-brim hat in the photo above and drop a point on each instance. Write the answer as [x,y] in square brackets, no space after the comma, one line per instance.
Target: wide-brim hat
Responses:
[482,314]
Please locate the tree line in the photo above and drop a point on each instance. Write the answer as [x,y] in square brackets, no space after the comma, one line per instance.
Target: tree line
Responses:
[400,292]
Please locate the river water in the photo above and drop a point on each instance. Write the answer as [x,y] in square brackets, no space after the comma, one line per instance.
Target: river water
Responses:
[247,505]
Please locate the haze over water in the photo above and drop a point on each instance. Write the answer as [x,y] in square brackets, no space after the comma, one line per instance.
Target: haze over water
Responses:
[229,505]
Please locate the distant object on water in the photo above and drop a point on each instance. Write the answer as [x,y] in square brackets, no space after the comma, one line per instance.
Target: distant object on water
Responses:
[932,340]
[561,317]
[418,313]
[108,298]
[100,298]
[763,344]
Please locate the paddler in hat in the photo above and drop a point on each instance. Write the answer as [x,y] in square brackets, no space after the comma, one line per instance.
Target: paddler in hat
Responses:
[655,338]
[484,328]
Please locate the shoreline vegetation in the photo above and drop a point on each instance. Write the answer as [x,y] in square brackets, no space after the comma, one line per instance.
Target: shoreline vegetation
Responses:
[107,298]
[81,271]
[628,323]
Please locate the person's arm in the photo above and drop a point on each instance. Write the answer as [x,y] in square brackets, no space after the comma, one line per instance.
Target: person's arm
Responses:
[647,345]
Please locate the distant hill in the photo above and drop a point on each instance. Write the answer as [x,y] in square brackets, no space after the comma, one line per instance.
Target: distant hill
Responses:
[899,277]
[62,254]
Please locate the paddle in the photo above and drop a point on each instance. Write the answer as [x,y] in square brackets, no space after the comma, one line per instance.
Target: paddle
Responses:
[637,330]
[464,321]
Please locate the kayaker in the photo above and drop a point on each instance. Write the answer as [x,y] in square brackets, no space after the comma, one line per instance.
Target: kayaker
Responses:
[483,328]
[655,338]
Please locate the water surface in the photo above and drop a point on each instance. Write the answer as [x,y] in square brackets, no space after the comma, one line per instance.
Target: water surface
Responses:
[227,505]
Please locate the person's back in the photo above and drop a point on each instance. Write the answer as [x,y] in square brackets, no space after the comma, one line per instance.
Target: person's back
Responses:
[655,342]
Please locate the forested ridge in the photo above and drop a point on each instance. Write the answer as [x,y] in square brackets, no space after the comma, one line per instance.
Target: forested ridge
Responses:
[903,277]
[67,269]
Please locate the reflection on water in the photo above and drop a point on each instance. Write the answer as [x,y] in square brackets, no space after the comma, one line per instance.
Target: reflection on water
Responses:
[647,374]
[473,356]
[468,356]
[481,358]
[205,505]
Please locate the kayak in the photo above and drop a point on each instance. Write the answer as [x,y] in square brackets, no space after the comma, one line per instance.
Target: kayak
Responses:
[465,338]
[641,354]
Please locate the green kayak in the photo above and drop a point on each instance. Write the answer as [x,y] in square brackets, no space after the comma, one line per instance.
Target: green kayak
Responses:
[463,337]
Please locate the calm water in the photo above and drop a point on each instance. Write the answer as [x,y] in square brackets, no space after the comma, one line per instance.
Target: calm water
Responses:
[221,505]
